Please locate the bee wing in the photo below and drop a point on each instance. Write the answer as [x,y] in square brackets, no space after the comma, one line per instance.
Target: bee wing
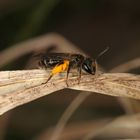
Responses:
[53,59]
[57,56]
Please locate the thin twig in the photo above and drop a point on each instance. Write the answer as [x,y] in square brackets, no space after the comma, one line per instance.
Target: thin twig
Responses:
[20,87]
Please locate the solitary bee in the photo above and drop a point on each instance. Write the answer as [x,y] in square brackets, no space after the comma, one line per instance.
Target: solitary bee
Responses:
[60,62]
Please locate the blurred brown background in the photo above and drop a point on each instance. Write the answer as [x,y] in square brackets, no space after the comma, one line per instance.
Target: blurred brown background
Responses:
[89,24]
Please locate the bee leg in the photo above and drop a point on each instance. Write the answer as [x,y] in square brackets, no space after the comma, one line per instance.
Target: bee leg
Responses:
[47,80]
[53,72]
[96,68]
[79,71]
[63,66]
[68,70]
[97,73]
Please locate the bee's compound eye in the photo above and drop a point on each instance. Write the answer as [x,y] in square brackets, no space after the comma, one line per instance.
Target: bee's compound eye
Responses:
[88,66]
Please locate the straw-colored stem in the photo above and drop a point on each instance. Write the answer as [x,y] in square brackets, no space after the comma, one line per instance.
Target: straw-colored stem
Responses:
[20,87]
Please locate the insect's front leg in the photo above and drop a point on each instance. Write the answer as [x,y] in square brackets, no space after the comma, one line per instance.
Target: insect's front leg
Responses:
[97,71]
[79,73]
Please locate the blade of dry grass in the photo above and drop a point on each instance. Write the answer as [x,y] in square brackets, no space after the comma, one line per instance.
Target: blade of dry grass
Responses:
[124,127]
[19,87]
[37,44]
[76,130]
[130,106]
[42,42]
[127,126]
[67,114]
[60,125]
[125,67]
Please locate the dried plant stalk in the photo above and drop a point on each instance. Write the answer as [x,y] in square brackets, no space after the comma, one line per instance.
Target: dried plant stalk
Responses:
[124,127]
[127,66]
[35,44]
[20,87]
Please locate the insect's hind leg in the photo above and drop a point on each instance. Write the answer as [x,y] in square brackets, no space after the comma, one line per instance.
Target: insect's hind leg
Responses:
[48,79]
[61,67]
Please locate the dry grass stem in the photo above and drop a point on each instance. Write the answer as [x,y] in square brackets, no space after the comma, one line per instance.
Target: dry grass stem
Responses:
[125,67]
[19,87]
[35,44]
[124,127]
[81,97]
[130,106]
[127,126]
[76,130]
[67,114]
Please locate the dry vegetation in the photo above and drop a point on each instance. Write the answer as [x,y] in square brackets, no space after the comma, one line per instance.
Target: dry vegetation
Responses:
[20,87]
[105,106]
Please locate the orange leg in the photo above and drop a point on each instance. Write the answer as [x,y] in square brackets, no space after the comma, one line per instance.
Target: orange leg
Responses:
[58,68]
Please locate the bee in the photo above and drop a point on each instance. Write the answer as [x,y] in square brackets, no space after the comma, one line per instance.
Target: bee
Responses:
[64,62]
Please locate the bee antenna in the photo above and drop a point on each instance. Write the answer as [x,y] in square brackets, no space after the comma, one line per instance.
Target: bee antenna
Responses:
[102,52]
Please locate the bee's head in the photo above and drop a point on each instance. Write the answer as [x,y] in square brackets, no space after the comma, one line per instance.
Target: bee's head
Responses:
[89,65]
